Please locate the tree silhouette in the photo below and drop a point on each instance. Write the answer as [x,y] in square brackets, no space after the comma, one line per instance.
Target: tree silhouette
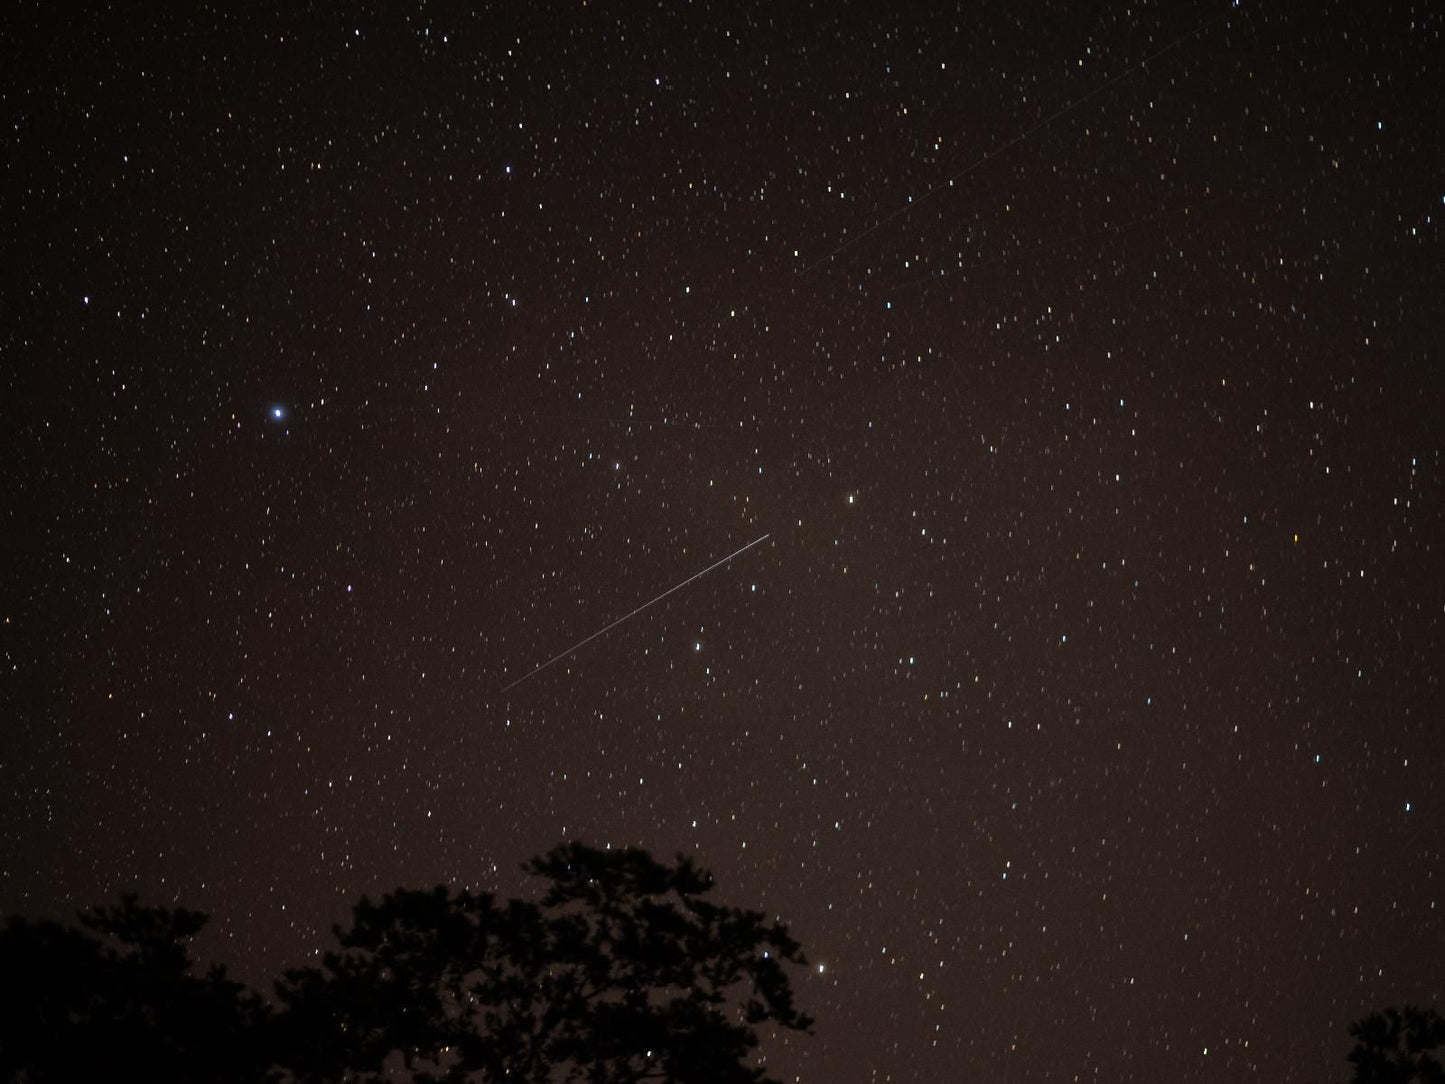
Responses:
[74,1006]
[1395,1047]
[621,973]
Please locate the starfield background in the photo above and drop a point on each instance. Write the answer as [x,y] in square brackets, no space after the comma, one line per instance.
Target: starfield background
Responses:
[1080,711]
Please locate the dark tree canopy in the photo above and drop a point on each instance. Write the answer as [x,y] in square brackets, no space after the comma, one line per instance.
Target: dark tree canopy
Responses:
[622,972]
[121,999]
[1398,1047]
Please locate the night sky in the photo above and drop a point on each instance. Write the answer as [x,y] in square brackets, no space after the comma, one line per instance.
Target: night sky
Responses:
[1081,710]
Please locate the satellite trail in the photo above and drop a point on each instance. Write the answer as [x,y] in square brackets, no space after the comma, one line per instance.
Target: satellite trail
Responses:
[634,613]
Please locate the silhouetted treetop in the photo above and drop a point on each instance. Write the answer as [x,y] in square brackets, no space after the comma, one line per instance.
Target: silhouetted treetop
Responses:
[621,972]
[1398,1047]
[76,1006]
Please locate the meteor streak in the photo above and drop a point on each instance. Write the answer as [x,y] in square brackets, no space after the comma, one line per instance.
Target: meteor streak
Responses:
[634,613]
